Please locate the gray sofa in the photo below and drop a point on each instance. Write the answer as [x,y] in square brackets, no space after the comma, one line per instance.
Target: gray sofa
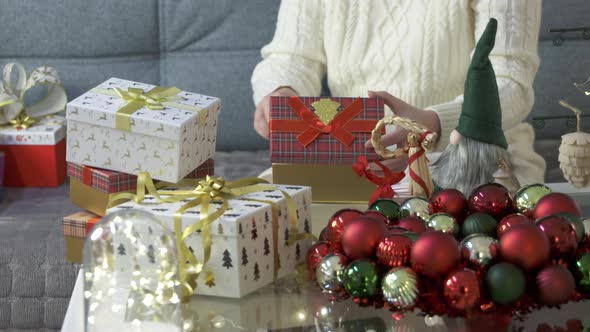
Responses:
[199,45]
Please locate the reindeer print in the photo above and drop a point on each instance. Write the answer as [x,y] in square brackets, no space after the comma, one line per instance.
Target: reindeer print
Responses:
[105,146]
[160,128]
[108,162]
[127,154]
[156,155]
[87,158]
[103,117]
[142,147]
[123,138]
[91,138]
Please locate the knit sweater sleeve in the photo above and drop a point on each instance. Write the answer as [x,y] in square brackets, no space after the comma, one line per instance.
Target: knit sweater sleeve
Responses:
[295,57]
[514,58]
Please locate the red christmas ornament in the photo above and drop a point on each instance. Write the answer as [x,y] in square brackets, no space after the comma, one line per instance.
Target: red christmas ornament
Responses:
[361,237]
[315,255]
[396,230]
[323,235]
[492,198]
[461,290]
[380,217]
[449,201]
[556,285]
[561,234]
[526,246]
[555,203]
[511,220]
[394,250]
[435,254]
[413,224]
[337,223]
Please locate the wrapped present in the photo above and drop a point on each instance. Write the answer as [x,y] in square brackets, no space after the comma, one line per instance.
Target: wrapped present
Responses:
[131,127]
[242,234]
[36,155]
[79,224]
[92,188]
[74,248]
[315,141]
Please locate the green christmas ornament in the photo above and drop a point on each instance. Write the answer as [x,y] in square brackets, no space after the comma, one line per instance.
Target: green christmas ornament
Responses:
[527,197]
[506,283]
[443,222]
[583,272]
[360,278]
[577,223]
[416,206]
[479,223]
[389,208]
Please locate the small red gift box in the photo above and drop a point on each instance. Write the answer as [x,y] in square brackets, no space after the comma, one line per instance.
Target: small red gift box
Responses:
[317,130]
[36,156]
[79,224]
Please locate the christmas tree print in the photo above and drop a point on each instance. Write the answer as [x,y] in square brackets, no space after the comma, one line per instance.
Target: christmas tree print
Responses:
[266,247]
[121,250]
[287,236]
[307,226]
[256,272]
[150,230]
[240,231]
[297,214]
[244,257]
[150,254]
[297,252]
[219,229]
[227,259]
[209,279]
[254,232]
[266,219]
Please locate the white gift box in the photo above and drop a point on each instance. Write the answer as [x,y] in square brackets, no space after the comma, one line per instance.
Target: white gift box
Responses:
[242,251]
[48,131]
[168,143]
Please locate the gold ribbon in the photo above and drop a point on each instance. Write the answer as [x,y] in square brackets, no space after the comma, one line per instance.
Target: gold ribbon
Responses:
[155,99]
[206,190]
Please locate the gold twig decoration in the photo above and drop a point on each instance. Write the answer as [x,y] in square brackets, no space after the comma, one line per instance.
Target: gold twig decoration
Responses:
[408,124]
[576,111]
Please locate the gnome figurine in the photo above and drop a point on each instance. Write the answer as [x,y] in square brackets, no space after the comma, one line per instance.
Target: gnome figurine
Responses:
[477,149]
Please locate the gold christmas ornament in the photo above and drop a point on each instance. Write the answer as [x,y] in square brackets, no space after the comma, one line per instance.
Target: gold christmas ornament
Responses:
[574,153]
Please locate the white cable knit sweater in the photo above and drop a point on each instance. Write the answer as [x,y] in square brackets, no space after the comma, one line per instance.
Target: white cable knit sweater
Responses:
[417,50]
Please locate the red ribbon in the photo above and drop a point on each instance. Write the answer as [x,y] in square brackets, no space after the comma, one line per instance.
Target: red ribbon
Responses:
[415,157]
[310,126]
[384,190]
[87,175]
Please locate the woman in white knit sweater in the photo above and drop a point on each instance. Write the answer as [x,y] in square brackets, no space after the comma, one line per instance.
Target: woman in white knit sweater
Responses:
[416,52]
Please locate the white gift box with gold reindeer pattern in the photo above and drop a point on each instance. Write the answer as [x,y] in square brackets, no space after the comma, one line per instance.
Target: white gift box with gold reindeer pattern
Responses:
[168,141]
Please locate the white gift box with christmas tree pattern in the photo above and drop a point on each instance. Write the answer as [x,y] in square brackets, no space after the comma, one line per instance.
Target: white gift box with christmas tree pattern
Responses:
[168,142]
[242,251]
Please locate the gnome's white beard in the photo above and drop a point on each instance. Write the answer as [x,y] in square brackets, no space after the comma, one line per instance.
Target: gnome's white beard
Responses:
[468,164]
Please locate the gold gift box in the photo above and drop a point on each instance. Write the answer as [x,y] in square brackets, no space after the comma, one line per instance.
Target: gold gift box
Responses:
[329,183]
[89,198]
[74,249]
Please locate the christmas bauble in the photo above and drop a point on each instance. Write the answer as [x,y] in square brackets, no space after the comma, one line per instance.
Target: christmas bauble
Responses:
[561,235]
[413,224]
[527,197]
[506,283]
[394,250]
[586,223]
[434,254]
[449,201]
[479,223]
[336,225]
[582,269]
[555,285]
[396,230]
[576,222]
[461,289]
[361,237]
[360,278]
[329,272]
[315,254]
[400,287]
[555,203]
[323,235]
[443,222]
[411,235]
[416,206]
[526,246]
[389,208]
[380,217]
[492,198]
[479,249]
[509,221]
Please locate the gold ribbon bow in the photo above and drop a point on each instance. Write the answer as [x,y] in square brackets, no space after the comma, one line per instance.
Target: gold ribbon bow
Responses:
[206,190]
[12,95]
[155,99]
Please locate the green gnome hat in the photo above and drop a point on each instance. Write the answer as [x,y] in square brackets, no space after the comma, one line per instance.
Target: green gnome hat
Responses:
[481,114]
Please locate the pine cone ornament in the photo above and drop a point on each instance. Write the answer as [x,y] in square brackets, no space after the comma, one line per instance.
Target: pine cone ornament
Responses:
[574,153]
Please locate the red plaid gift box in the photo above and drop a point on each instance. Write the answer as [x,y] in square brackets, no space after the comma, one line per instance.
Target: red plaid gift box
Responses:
[79,224]
[319,130]
[112,182]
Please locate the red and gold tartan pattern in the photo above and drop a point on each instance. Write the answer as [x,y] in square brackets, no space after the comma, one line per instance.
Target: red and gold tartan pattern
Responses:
[113,182]
[285,148]
[79,224]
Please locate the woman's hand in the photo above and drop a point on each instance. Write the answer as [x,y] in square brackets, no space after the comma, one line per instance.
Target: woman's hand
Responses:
[398,136]
[262,113]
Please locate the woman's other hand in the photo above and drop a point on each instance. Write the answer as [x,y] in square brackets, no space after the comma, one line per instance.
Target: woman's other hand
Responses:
[262,113]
